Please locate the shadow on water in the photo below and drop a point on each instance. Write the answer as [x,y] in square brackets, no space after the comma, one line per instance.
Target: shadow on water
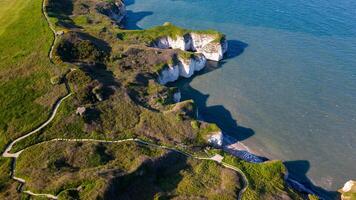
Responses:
[218,113]
[235,48]
[132,18]
[298,170]
[129,2]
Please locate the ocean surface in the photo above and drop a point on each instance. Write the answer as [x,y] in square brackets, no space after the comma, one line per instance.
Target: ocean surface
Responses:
[288,86]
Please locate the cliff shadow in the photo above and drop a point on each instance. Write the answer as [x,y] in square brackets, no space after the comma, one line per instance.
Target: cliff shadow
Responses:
[132,18]
[235,48]
[298,170]
[217,114]
[129,2]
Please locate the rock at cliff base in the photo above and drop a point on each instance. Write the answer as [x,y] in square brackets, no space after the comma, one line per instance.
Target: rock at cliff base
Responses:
[348,192]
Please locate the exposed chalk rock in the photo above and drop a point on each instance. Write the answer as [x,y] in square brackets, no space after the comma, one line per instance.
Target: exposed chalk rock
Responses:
[216,139]
[209,45]
[184,67]
[348,192]
[169,74]
[80,110]
[187,67]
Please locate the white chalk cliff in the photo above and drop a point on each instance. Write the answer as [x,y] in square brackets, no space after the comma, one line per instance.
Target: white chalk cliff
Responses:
[216,139]
[209,45]
[184,67]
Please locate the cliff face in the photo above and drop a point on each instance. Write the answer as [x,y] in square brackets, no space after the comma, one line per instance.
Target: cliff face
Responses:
[209,45]
[216,139]
[115,10]
[184,67]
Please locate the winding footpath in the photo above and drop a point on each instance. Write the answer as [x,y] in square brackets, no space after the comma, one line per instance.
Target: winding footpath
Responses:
[7,153]
[50,25]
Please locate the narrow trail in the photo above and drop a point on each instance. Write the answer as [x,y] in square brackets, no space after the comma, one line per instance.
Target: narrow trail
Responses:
[7,153]
[50,25]
[55,108]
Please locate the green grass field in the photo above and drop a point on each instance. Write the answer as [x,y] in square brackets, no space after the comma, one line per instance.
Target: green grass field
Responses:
[6,7]
[25,70]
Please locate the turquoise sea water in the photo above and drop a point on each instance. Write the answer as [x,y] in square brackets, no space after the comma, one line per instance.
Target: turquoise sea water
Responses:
[290,77]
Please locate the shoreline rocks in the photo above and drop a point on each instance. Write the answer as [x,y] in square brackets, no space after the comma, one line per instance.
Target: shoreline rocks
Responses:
[216,139]
[348,192]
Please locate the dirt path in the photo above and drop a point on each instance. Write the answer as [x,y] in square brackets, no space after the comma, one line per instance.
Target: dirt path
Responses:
[50,25]
[7,153]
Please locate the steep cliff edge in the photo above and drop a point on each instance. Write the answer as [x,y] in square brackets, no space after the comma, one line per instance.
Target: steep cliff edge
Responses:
[212,45]
[181,66]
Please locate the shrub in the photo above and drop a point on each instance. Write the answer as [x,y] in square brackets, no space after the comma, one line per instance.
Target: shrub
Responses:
[73,48]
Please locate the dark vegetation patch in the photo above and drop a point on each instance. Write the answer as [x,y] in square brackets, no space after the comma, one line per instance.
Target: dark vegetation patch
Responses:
[73,48]
[61,10]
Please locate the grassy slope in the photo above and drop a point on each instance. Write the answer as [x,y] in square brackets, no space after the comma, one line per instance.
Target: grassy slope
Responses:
[98,168]
[266,180]
[25,69]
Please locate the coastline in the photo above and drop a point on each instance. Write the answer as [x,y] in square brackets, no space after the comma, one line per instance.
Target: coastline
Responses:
[250,154]
[242,151]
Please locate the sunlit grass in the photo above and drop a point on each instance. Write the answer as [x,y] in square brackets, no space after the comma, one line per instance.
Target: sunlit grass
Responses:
[25,69]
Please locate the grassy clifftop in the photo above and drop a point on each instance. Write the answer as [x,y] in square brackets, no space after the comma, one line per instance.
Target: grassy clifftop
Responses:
[150,35]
